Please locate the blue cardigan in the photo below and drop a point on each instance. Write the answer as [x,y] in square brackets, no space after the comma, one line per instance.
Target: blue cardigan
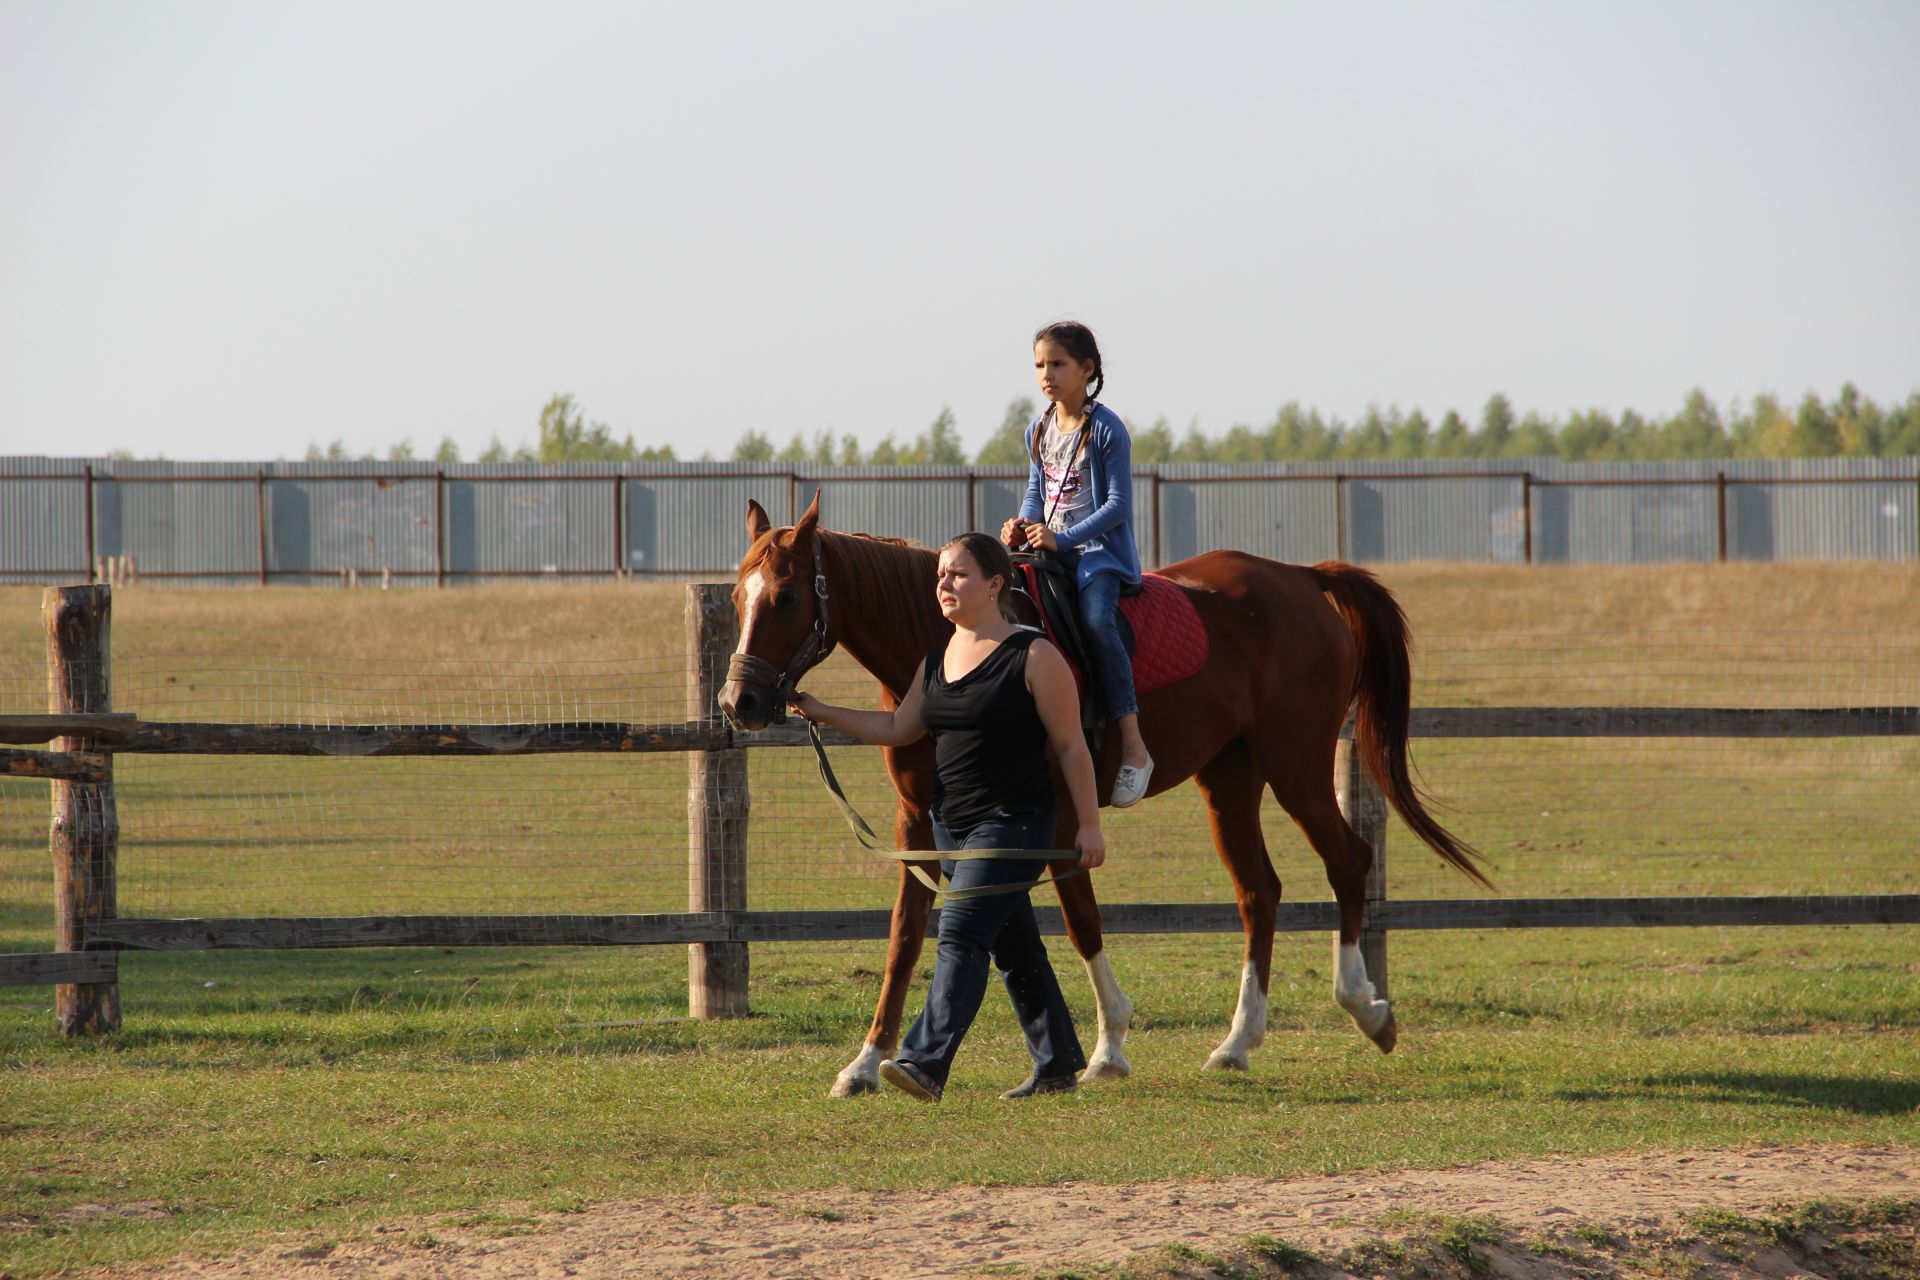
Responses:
[1104,540]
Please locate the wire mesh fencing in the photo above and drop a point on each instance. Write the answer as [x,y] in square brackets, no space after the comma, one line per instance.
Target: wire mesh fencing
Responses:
[591,833]
[1681,815]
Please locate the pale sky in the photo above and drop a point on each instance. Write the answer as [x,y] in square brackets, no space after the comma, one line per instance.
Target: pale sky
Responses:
[230,230]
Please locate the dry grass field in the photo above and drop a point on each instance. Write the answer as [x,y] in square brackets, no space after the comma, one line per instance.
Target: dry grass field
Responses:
[569,622]
[565,834]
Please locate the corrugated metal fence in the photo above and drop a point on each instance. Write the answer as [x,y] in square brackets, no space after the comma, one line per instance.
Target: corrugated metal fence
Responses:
[68,519]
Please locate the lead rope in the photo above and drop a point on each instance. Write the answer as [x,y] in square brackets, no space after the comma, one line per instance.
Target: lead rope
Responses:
[864,834]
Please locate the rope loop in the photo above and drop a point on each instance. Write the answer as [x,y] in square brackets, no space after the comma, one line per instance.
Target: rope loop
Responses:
[912,857]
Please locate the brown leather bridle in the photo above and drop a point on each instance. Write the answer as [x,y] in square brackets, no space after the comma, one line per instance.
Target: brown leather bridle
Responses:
[756,672]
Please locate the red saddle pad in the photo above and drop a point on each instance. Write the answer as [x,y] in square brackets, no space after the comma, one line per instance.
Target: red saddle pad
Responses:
[1169,641]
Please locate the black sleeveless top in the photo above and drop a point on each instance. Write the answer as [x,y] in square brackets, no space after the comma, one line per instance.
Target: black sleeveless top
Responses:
[989,747]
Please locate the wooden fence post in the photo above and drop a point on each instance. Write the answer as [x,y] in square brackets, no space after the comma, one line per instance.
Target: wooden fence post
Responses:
[86,825]
[1365,808]
[717,809]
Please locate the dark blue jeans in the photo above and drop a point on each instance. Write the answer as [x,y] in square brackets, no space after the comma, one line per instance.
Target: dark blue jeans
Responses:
[1099,602]
[1002,925]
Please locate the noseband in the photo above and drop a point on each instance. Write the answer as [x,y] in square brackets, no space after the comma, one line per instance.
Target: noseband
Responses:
[756,672]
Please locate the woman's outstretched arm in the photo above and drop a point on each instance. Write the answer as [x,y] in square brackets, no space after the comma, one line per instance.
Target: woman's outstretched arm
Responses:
[895,728]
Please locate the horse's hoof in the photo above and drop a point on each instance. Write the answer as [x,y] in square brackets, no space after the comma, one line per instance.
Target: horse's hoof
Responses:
[1375,1020]
[1107,1069]
[853,1087]
[1221,1060]
[1388,1035]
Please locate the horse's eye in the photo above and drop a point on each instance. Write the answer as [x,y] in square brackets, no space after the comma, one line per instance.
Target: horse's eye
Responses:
[783,600]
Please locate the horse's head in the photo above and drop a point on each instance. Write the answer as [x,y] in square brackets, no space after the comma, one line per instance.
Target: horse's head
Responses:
[781,597]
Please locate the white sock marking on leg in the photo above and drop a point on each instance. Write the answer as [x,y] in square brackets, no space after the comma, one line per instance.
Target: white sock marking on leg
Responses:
[1113,1009]
[1249,1022]
[1353,992]
[865,1065]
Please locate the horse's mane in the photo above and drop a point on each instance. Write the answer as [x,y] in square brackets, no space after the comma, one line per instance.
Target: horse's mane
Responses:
[880,562]
[861,549]
[887,582]
[881,538]
[894,570]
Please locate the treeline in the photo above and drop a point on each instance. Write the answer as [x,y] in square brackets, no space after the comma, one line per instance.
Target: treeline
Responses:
[564,435]
[1849,425]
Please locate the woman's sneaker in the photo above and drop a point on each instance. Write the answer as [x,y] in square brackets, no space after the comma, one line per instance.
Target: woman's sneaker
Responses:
[1043,1084]
[1130,784]
[910,1080]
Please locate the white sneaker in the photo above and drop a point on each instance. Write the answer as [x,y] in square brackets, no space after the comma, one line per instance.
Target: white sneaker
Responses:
[1130,784]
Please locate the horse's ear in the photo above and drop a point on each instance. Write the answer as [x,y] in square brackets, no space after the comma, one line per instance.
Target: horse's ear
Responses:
[808,518]
[757,522]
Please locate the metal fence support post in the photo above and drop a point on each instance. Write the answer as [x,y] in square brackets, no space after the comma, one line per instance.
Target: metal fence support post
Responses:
[260,517]
[1720,507]
[86,481]
[1339,516]
[717,809]
[1159,557]
[620,557]
[1526,512]
[1365,809]
[86,824]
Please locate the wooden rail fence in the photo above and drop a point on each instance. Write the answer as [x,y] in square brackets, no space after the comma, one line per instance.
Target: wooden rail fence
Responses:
[83,733]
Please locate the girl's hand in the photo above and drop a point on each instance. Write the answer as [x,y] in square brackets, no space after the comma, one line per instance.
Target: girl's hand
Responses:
[1092,844]
[806,706]
[1040,537]
[1014,533]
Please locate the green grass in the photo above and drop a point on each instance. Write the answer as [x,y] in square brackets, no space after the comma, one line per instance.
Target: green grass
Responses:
[329,1093]
[1859,1240]
[1278,1253]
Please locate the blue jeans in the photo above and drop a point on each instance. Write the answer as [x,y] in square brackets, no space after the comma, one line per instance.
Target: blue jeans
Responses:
[1002,925]
[1099,622]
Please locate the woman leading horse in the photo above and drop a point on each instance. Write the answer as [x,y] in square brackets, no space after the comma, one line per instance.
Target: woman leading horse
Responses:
[1291,650]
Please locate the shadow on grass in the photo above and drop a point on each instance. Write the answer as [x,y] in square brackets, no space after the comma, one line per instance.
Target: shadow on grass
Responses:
[1867,1097]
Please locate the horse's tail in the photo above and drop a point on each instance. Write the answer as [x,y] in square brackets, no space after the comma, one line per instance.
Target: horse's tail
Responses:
[1383,694]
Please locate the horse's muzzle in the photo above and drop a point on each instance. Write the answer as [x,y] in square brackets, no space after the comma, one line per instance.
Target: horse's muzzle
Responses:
[748,707]
[754,695]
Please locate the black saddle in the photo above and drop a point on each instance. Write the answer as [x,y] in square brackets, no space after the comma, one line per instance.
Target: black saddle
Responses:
[1059,606]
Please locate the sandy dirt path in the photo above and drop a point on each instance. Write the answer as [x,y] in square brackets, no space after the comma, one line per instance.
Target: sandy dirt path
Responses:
[844,1235]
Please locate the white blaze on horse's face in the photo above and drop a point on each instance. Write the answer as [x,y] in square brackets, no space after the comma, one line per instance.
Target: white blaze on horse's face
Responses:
[755,588]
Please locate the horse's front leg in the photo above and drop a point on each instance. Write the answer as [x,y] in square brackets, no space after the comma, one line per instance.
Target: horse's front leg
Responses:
[906,934]
[911,769]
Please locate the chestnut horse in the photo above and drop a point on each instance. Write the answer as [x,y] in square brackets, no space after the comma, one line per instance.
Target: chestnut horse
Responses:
[1292,649]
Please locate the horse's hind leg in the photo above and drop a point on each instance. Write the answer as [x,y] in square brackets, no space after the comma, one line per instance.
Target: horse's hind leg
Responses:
[1232,786]
[1111,1005]
[1308,797]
